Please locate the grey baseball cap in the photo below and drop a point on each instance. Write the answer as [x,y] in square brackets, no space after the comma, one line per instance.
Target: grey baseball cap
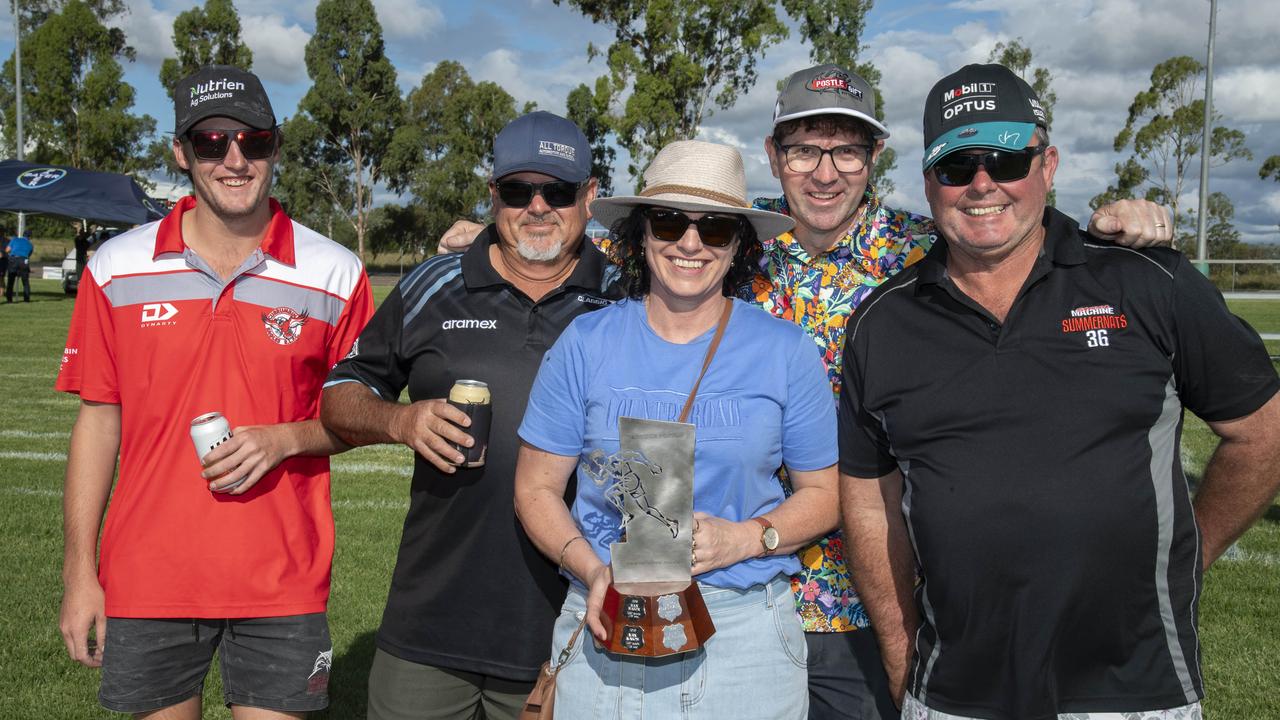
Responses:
[828,90]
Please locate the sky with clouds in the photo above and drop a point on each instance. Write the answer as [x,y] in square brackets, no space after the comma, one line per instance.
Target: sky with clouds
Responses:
[1100,53]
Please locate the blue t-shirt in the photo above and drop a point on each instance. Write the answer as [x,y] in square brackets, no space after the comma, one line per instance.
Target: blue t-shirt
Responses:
[764,402]
[20,247]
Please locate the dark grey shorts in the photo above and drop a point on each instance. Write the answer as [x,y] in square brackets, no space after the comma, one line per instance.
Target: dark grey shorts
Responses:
[279,663]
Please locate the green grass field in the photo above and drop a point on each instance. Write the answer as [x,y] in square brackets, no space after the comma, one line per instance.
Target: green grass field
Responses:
[1240,611]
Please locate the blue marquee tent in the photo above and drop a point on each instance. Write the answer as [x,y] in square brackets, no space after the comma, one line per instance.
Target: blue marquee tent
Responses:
[72,193]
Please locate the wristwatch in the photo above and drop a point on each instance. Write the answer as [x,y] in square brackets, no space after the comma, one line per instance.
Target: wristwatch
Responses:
[768,535]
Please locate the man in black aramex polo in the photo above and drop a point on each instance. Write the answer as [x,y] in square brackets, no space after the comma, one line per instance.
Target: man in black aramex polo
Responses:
[472,603]
[1010,419]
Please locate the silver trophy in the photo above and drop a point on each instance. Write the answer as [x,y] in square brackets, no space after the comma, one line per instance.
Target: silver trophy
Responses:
[653,608]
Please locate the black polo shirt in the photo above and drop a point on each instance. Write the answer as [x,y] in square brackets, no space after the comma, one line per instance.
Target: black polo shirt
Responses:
[469,591]
[1044,492]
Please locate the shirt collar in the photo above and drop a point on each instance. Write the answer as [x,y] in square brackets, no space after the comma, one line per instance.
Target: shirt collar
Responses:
[1062,244]
[478,270]
[278,242]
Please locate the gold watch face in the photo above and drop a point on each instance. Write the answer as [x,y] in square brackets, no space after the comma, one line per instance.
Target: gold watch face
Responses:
[770,539]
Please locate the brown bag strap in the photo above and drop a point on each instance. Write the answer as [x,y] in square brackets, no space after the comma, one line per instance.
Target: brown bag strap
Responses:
[568,648]
[706,362]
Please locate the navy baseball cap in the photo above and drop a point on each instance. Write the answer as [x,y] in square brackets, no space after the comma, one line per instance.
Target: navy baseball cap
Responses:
[984,106]
[542,142]
[221,91]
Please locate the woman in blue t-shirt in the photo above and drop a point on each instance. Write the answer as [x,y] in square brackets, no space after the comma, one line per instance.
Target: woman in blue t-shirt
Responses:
[762,403]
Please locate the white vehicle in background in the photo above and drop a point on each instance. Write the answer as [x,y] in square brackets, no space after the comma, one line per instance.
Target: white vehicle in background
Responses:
[71,273]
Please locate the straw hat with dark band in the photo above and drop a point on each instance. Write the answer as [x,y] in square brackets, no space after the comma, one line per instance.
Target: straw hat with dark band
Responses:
[695,176]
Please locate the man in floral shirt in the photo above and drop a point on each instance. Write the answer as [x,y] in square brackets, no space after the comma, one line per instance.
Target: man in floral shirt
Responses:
[824,145]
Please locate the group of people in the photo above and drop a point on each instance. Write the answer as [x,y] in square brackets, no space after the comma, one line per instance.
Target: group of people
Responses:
[995,429]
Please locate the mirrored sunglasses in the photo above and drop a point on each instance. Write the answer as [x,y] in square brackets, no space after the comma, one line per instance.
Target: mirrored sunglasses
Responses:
[715,230]
[958,169]
[213,143]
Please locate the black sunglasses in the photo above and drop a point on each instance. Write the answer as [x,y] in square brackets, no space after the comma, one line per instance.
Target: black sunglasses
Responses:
[213,143]
[557,193]
[958,169]
[715,230]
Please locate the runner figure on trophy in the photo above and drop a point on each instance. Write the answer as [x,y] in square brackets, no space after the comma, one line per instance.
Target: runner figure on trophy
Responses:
[622,473]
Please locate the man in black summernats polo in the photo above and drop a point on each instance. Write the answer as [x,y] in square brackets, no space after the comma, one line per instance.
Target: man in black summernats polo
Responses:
[472,602]
[1010,421]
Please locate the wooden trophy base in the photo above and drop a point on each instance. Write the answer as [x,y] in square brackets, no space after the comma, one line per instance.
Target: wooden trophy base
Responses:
[655,619]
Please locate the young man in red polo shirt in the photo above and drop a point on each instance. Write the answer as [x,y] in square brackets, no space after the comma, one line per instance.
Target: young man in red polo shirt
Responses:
[224,305]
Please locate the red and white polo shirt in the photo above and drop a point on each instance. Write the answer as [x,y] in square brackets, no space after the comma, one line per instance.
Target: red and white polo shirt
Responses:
[156,331]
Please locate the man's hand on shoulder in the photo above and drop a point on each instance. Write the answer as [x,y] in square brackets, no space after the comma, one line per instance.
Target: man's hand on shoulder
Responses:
[1133,223]
[459,236]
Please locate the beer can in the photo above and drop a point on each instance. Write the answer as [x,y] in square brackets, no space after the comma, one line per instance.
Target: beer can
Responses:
[472,398]
[208,431]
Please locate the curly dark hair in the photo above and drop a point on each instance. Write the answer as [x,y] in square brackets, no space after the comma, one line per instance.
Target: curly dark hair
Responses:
[626,238]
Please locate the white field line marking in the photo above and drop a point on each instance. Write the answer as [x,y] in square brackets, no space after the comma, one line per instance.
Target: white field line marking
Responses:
[401,470]
[368,468]
[26,455]
[33,434]
[379,504]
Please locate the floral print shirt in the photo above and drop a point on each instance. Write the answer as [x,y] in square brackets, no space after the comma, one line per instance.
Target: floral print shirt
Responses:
[819,294]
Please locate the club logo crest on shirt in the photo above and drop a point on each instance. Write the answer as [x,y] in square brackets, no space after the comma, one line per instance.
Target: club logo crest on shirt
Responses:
[284,324]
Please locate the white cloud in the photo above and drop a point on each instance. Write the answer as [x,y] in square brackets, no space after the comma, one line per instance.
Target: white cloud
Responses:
[408,19]
[278,48]
[1248,94]
[150,32]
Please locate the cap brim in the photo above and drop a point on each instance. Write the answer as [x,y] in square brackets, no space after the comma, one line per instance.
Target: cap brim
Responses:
[556,171]
[995,135]
[881,132]
[608,211]
[256,121]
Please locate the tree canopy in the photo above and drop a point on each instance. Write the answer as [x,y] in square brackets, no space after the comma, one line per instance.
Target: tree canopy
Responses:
[347,119]
[76,102]
[202,36]
[1165,130]
[443,152]
[680,58]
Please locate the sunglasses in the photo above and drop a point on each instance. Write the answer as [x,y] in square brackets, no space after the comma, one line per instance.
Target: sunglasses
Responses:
[958,169]
[213,144]
[557,193]
[715,230]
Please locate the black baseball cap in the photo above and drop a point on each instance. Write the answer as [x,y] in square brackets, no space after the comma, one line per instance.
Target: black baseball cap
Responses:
[985,106]
[221,91]
[542,142]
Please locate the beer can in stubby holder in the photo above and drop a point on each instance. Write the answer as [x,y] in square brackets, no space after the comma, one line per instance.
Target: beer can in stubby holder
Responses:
[208,432]
[472,398]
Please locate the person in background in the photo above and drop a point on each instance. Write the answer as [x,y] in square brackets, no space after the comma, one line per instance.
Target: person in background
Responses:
[19,250]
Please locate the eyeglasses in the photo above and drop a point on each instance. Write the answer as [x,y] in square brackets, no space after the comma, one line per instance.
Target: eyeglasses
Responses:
[213,143]
[557,193]
[958,169]
[715,230]
[846,158]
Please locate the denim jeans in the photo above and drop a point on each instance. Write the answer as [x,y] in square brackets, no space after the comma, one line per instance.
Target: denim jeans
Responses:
[752,667]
